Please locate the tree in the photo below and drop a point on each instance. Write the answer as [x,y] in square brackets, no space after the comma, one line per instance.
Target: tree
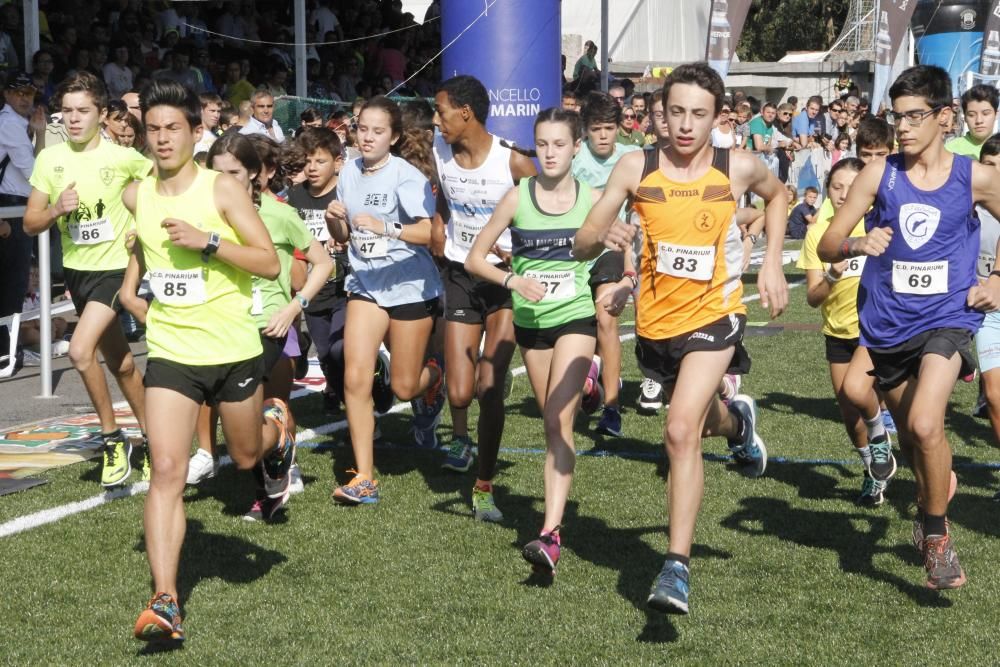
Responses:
[775,27]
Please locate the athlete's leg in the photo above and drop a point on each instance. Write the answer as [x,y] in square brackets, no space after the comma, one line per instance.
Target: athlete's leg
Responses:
[241,426]
[991,386]
[409,374]
[461,349]
[498,349]
[858,385]
[119,360]
[170,425]
[95,321]
[609,348]
[279,382]
[853,422]
[365,328]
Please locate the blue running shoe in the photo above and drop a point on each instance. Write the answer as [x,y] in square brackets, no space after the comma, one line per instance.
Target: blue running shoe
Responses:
[427,409]
[749,451]
[888,422]
[670,590]
[359,491]
[611,422]
[459,456]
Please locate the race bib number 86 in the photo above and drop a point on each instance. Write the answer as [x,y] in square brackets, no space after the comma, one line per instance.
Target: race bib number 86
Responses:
[91,232]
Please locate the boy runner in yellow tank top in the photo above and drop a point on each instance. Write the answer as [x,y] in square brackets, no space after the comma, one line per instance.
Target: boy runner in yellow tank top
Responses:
[77,186]
[200,238]
[690,320]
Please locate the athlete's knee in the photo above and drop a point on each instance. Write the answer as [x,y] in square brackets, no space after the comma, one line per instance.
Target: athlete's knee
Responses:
[925,431]
[557,428]
[170,470]
[123,367]
[358,379]
[81,356]
[405,388]
[242,459]
[459,394]
[681,433]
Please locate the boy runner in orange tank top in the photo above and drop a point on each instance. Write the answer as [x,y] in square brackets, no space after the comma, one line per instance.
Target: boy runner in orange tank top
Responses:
[690,321]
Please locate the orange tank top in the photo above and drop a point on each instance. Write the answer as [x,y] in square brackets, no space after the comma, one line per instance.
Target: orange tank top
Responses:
[692,253]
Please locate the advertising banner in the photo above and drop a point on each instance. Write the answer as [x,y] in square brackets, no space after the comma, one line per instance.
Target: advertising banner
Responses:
[724,31]
[893,19]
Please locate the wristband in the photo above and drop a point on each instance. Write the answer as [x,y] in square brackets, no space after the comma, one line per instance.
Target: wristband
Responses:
[392,229]
[753,238]
[993,273]
[632,277]
[845,249]
[506,279]
[830,277]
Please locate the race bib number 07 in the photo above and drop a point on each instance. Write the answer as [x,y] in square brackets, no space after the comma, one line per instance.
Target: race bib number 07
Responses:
[178,288]
[920,277]
[316,224]
[91,232]
[558,285]
[685,261]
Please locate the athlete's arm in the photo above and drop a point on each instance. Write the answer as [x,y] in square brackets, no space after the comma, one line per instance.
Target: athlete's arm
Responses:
[336,221]
[751,224]
[837,243]
[39,215]
[521,166]
[128,294]
[476,264]
[417,232]
[750,174]
[282,319]
[602,228]
[985,296]
[438,224]
[256,254]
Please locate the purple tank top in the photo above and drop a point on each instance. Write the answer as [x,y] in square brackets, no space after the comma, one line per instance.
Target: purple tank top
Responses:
[923,279]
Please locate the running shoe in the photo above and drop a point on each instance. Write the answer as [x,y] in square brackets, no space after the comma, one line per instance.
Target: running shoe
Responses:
[459,457]
[302,361]
[160,621]
[593,392]
[484,507]
[650,396]
[670,591]
[202,466]
[749,451]
[278,461]
[331,403]
[982,410]
[265,509]
[941,562]
[731,384]
[296,485]
[917,534]
[427,410]
[382,388]
[883,463]
[611,422]
[359,491]
[888,422]
[147,466]
[30,358]
[872,492]
[543,553]
[117,468]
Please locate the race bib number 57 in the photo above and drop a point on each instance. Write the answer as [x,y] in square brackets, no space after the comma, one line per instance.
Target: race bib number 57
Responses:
[686,261]
[920,277]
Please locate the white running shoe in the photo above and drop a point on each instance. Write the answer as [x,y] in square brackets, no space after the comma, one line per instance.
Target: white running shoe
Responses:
[201,467]
[650,396]
[296,485]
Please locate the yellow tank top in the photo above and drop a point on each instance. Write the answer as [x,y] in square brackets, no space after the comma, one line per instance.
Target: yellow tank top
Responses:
[692,254]
[200,314]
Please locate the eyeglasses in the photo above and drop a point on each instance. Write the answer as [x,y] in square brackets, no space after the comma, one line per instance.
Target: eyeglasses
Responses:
[628,116]
[835,110]
[914,118]
[785,113]
[617,98]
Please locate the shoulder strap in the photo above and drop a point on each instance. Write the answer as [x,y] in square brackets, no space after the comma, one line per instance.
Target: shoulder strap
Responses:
[652,162]
[720,161]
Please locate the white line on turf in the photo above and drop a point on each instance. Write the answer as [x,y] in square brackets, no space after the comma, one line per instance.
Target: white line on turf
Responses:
[304,436]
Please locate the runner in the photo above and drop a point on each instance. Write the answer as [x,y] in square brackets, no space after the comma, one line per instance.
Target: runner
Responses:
[920,302]
[979,106]
[612,274]
[554,317]
[475,171]
[203,344]
[78,185]
[690,317]
[834,287]
[383,208]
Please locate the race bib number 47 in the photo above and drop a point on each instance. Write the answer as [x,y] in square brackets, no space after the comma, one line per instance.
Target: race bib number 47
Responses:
[685,261]
[368,245]
[91,232]
[558,284]
[178,288]
[920,277]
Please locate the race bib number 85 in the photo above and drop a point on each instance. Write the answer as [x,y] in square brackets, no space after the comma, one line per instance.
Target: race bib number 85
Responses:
[685,261]
[558,284]
[920,277]
[178,288]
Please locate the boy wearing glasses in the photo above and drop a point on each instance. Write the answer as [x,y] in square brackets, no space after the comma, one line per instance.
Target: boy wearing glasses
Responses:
[920,302]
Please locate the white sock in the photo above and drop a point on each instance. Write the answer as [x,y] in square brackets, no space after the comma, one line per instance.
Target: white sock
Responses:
[866,456]
[876,429]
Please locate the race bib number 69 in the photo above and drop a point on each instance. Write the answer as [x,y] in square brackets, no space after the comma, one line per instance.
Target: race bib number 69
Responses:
[920,277]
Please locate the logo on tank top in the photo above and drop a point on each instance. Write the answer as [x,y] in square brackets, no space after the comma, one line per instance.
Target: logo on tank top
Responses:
[704,220]
[107,175]
[918,222]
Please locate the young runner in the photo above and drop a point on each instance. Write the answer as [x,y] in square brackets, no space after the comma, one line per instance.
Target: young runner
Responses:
[979,106]
[383,208]
[920,302]
[78,186]
[475,171]
[554,317]
[690,317]
[612,274]
[834,287]
[200,238]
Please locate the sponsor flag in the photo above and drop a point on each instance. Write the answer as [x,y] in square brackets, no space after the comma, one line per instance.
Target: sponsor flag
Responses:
[893,20]
[724,31]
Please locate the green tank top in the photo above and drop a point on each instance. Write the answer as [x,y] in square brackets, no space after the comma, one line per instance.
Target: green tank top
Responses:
[288,232]
[200,314]
[541,246]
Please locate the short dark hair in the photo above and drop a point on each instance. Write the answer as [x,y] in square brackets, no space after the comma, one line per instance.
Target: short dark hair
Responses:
[164,92]
[768,105]
[927,81]
[310,115]
[600,108]
[815,99]
[810,188]
[874,132]
[557,115]
[209,98]
[852,163]
[464,90]
[981,93]
[990,147]
[313,139]
[568,93]
[698,74]
[84,82]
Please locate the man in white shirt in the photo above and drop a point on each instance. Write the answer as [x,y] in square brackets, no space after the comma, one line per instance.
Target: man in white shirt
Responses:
[262,118]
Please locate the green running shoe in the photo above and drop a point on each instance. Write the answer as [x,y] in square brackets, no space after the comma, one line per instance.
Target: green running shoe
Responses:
[117,468]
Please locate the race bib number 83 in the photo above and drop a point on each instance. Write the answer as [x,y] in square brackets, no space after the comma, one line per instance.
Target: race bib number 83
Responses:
[920,277]
[685,261]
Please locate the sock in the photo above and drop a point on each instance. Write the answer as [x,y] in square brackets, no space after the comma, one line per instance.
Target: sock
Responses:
[876,429]
[553,535]
[934,525]
[258,476]
[683,560]
[482,485]
[866,455]
[114,435]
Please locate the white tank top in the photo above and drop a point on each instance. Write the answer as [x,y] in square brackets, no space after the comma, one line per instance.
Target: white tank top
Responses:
[472,196]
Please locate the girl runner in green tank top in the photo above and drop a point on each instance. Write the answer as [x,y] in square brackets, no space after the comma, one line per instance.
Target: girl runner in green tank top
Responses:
[554,318]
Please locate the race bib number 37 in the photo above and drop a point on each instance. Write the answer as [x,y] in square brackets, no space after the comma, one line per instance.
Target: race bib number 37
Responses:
[558,284]
[920,277]
[91,232]
[685,261]
[178,288]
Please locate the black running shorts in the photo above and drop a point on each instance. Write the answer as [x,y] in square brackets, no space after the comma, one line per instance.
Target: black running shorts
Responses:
[217,383]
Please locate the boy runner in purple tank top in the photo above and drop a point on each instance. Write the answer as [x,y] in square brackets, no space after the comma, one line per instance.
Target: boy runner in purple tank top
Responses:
[919,302]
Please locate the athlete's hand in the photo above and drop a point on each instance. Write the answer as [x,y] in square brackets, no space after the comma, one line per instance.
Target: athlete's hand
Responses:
[68,200]
[335,212]
[618,236]
[4,229]
[615,300]
[837,268]
[874,243]
[281,320]
[505,257]
[747,252]
[369,223]
[773,288]
[529,288]
[130,237]
[437,241]
[184,235]
[986,295]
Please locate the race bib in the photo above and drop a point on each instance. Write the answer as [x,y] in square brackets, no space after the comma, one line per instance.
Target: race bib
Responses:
[855,265]
[91,232]
[316,224]
[920,277]
[178,288]
[558,285]
[465,233]
[985,264]
[695,262]
[256,302]
[369,245]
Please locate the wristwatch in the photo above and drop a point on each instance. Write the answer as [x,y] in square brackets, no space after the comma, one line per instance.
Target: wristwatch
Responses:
[304,302]
[211,247]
